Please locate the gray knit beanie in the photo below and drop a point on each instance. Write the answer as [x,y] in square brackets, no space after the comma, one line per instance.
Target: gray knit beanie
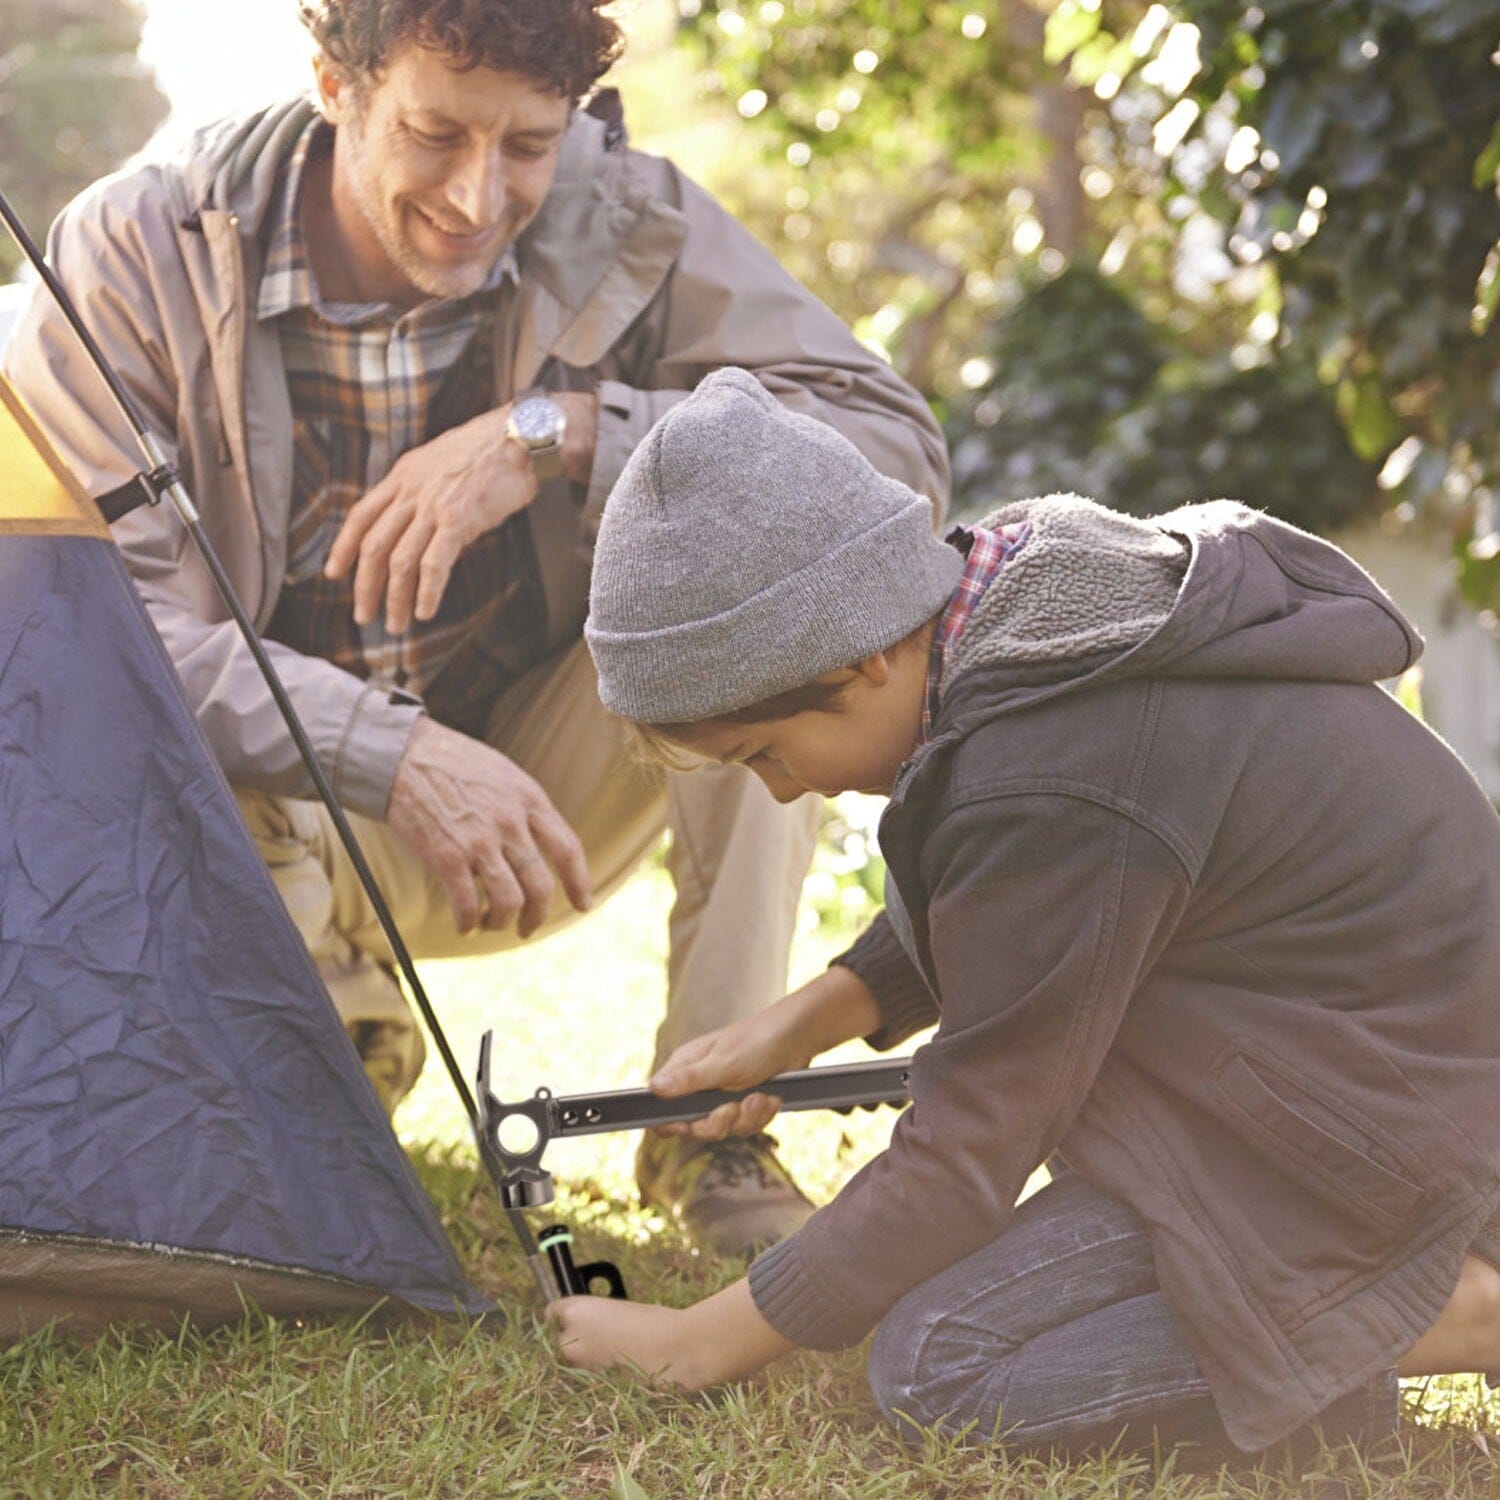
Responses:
[746,550]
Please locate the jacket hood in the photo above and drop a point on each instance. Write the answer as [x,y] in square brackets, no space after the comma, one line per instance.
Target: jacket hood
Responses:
[1211,590]
[234,165]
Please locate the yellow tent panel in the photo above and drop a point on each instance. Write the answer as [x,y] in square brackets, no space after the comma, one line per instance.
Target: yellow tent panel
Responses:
[37,492]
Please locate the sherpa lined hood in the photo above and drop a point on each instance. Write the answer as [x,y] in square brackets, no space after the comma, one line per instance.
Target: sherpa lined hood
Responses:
[1210,590]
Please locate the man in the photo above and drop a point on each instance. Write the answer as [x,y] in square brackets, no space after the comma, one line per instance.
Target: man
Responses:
[401,344]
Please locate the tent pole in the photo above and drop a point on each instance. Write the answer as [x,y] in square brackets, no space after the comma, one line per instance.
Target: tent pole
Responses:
[164,480]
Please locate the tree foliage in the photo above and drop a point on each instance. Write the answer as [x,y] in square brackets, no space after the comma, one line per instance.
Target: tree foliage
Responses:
[74,102]
[1350,148]
[1088,395]
[1072,354]
[899,132]
[1286,279]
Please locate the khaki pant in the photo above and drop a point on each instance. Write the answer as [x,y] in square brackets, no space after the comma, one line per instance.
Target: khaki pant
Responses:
[737,861]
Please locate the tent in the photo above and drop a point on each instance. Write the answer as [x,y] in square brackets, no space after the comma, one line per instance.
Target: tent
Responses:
[184,1125]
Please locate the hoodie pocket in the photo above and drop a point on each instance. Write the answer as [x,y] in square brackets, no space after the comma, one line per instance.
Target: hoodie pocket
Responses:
[1310,1137]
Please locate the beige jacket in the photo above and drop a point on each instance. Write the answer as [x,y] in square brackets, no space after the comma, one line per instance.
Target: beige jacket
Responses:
[633,282]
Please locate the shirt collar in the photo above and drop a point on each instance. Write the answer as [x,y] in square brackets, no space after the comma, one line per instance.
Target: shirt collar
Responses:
[288,282]
[986,553]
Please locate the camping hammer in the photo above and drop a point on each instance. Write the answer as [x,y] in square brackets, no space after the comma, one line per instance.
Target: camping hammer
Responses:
[517,1135]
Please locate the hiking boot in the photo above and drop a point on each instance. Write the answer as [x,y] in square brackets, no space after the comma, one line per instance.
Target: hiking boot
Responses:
[730,1197]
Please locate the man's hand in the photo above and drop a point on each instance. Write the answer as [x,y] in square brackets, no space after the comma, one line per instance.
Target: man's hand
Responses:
[486,830]
[723,1338]
[403,538]
[835,1007]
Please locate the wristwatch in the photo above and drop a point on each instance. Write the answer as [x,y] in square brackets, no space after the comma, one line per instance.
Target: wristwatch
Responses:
[537,423]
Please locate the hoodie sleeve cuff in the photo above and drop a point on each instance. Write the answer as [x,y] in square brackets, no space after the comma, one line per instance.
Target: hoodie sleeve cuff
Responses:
[799,1305]
[906,1004]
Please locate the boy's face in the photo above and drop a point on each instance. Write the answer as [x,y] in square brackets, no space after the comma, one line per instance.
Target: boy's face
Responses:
[857,745]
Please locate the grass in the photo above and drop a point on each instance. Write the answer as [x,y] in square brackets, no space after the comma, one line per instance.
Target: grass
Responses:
[273,1408]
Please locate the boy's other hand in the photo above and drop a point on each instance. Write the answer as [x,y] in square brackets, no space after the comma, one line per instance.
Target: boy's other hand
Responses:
[835,1007]
[599,1333]
[738,1056]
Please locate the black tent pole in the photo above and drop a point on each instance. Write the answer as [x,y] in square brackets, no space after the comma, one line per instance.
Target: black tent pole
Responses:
[163,479]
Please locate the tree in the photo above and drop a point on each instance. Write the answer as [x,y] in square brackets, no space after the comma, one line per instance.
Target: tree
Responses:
[1350,151]
[895,135]
[74,102]
[1266,287]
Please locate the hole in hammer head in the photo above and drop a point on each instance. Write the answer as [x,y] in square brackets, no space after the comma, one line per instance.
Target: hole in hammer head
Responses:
[518,1135]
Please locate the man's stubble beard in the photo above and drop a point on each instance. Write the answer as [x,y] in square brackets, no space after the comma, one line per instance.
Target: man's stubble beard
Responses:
[448,282]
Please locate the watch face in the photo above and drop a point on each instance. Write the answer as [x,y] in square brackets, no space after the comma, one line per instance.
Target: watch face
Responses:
[537,420]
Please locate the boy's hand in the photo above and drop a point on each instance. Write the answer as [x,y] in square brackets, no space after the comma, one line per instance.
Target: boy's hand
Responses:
[722,1338]
[598,1333]
[833,1008]
[736,1057]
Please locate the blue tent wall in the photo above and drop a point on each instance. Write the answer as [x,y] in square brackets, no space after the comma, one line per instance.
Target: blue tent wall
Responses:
[172,1072]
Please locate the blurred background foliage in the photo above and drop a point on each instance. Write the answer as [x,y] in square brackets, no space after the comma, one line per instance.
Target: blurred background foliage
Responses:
[74,102]
[1153,252]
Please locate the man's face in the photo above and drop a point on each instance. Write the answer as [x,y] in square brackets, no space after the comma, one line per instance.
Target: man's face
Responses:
[437,169]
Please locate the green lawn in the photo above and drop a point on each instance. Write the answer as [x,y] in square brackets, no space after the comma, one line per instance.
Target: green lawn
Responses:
[276,1409]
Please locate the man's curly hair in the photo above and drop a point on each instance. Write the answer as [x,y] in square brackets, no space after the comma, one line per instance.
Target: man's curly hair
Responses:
[563,45]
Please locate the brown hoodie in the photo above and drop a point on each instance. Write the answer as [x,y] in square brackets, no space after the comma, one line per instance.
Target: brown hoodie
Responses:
[1198,905]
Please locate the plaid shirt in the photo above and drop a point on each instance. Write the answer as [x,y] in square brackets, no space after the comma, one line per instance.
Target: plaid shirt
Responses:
[368,382]
[988,552]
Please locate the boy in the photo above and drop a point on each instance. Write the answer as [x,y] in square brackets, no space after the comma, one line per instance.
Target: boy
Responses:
[1204,917]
